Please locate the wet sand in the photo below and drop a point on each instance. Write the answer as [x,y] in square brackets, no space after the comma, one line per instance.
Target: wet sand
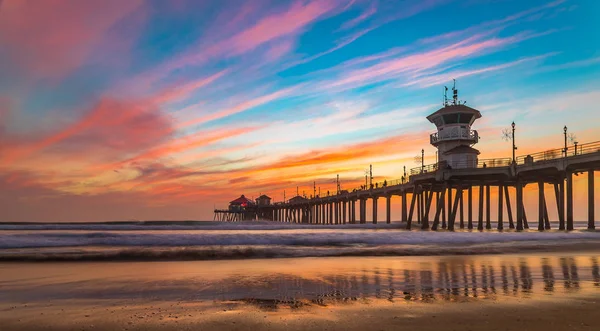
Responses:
[571,314]
[554,291]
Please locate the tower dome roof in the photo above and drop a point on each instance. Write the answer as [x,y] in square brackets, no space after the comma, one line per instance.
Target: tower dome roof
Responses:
[452,109]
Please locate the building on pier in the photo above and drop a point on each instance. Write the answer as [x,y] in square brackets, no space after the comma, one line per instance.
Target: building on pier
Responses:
[454,138]
[263,200]
[240,204]
[298,199]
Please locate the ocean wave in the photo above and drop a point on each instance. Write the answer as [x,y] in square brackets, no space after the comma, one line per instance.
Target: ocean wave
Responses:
[311,238]
[264,252]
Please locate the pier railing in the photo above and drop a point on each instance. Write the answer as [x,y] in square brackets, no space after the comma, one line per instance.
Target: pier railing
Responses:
[558,153]
[453,134]
[481,163]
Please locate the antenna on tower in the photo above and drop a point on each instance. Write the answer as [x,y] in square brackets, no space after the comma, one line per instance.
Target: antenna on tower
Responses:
[445,96]
[454,93]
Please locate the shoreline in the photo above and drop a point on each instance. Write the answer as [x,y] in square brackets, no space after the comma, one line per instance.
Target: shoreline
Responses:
[219,253]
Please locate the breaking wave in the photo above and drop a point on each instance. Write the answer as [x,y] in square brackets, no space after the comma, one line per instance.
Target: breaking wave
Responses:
[217,240]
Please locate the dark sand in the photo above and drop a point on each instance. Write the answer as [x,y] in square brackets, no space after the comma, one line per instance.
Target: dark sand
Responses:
[571,314]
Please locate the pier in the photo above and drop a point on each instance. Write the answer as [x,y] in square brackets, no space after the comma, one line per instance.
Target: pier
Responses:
[442,195]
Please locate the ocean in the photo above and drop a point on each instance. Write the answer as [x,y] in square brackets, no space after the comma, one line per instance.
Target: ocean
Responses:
[197,240]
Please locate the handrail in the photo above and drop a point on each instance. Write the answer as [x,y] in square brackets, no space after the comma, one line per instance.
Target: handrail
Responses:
[558,153]
[453,134]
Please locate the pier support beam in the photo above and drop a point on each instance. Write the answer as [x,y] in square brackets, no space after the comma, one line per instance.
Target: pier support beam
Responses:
[500,207]
[419,198]
[546,219]
[443,215]
[330,221]
[541,205]
[519,203]
[470,208]
[454,210]
[511,223]
[449,194]
[429,198]
[591,206]
[462,214]
[412,208]
[488,221]
[344,210]
[561,207]
[375,209]
[362,211]
[569,201]
[353,212]
[388,209]
[404,208]
[480,218]
[438,209]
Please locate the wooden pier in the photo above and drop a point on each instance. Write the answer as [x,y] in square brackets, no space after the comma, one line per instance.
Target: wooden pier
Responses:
[434,196]
[441,195]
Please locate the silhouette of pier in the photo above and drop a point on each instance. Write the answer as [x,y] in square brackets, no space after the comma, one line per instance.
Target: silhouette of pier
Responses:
[442,194]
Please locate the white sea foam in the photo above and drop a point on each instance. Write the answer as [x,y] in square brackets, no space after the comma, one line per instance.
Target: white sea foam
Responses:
[305,237]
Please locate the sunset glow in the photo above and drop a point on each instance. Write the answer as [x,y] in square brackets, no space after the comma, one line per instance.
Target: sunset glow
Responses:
[117,110]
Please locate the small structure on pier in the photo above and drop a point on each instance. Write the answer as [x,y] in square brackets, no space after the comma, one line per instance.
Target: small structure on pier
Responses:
[454,136]
[297,199]
[263,200]
[240,204]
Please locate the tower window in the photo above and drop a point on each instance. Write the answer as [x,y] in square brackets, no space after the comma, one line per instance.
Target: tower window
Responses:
[451,118]
[465,118]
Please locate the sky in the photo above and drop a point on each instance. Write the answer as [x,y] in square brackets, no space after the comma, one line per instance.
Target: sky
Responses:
[120,110]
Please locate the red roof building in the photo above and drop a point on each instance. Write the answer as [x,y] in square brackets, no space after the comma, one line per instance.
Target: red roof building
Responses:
[241,202]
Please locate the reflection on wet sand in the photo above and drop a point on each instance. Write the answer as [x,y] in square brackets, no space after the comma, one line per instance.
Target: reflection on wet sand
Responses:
[295,283]
[451,281]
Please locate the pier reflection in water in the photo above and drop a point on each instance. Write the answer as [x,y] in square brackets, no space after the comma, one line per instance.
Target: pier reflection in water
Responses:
[451,279]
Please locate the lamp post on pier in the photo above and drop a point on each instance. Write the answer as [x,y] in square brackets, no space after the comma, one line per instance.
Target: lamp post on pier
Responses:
[565,132]
[422,160]
[509,134]
[514,148]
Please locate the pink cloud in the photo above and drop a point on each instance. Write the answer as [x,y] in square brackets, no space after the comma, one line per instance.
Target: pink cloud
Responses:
[362,17]
[280,49]
[51,38]
[238,108]
[275,26]
[109,130]
[180,91]
[420,61]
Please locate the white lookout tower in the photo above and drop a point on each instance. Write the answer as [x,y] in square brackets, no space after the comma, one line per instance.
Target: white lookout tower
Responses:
[454,138]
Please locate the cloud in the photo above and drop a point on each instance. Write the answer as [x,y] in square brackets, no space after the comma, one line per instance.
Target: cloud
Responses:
[50,39]
[112,126]
[241,107]
[370,11]
[180,91]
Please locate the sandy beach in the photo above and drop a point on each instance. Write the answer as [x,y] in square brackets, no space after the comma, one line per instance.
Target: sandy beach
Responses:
[534,291]
[571,314]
